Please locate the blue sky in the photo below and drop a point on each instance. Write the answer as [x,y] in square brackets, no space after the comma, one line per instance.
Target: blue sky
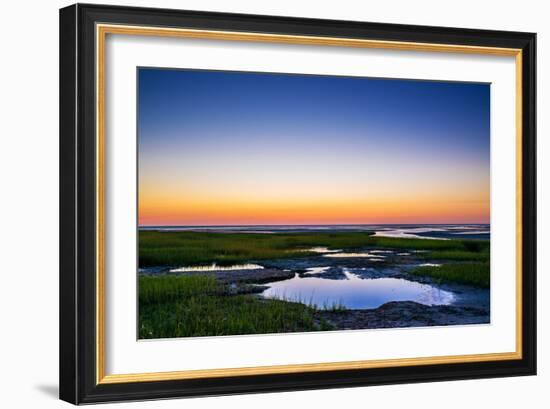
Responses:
[194,123]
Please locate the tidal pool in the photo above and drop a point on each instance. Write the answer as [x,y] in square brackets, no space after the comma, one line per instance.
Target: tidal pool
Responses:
[354,255]
[215,267]
[322,250]
[316,270]
[355,292]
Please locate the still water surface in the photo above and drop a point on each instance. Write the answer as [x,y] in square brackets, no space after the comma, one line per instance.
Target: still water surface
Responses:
[355,292]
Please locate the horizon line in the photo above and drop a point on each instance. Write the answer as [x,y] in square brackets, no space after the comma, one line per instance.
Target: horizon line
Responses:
[293,224]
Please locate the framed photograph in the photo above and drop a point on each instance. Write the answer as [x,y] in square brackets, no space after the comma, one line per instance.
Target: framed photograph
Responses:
[257,203]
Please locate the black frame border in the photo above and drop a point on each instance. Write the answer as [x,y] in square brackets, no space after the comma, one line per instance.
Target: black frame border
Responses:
[78,197]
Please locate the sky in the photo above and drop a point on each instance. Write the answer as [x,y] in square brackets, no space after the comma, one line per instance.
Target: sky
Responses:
[238,148]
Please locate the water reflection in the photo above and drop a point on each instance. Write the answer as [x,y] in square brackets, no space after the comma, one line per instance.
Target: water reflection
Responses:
[316,270]
[355,255]
[355,292]
[322,250]
[215,267]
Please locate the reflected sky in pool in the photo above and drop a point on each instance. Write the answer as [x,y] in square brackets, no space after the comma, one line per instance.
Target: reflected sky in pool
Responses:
[355,292]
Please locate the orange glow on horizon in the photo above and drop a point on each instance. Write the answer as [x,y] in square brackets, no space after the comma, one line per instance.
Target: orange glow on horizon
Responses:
[359,211]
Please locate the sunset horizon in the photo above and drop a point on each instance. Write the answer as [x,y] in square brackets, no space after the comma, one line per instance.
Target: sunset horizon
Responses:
[235,148]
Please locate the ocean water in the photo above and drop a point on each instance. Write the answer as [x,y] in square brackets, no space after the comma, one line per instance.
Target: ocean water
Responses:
[423,231]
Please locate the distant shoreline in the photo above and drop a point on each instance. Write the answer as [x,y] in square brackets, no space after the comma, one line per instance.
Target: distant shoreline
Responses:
[417,231]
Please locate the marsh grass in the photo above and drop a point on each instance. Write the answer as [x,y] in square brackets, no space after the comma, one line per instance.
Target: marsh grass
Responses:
[172,288]
[157,248]
[476,273]
[198,305]
[457,255]
[332,306]
[194,306]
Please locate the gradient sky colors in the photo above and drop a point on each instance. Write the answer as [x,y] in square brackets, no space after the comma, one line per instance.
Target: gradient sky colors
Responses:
[234,148]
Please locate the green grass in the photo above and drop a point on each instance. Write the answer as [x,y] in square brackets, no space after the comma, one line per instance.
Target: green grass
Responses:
[170,288]
[193,306]
[198,248]
[476,273]
[457,255]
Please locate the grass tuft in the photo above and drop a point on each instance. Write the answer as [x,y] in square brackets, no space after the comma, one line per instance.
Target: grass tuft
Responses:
[476,274]
[457,255]
[194,306]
